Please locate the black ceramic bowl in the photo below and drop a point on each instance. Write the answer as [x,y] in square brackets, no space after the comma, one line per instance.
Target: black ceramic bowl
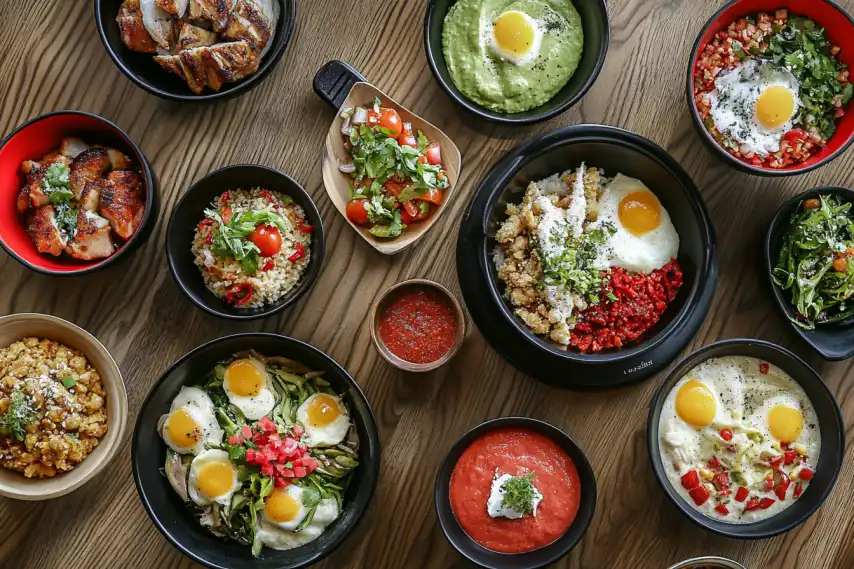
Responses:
[830,424]
[190,211]
[543,556]
[597,33]
[614,150]
[172,517]
[148,74]
[833,341]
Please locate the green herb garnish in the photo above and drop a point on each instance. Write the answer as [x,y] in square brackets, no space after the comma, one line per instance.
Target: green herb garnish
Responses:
[519,493]
[17,417]
[816,238]
[230,239]
[55,183]
[66,219]
[573,268]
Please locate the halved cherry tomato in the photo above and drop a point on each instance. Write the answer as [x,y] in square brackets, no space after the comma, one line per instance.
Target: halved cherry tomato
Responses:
[394,188]
[410,208]
[434,154]
[433,195]
[267,238]
[391,120]
[407,140]
[356,212]
[226,214]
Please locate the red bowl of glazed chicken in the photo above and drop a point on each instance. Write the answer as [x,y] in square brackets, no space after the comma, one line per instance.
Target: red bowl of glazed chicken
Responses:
[769,87]
[76,194]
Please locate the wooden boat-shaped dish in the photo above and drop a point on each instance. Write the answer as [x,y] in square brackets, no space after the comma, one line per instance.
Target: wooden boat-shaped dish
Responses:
[343,87]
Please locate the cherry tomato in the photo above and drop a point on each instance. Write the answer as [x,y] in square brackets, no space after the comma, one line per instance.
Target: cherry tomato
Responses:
[434,154]
[410,208]
[407,129]
[433,195]
[391,120]
[357,213]
[407,140]
[394,188]
[267,238]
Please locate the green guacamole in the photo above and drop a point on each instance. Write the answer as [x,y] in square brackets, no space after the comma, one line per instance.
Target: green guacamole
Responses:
[501,85]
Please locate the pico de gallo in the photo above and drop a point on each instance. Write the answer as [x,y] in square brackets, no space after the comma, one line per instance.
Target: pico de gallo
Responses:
[398,174]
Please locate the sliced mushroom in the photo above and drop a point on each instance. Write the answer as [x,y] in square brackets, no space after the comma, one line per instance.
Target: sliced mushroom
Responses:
[177,473]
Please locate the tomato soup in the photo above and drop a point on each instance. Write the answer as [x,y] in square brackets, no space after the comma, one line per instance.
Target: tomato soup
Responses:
[515,451]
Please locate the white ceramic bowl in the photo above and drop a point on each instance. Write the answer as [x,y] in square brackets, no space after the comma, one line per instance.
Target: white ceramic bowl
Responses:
[18,326]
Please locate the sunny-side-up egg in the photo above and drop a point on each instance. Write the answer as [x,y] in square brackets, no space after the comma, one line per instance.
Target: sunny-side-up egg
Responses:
[249,387]
[213,478]
[284,510]
[191,423]
[325,420]
[755,104]
[645,239]
[515,37]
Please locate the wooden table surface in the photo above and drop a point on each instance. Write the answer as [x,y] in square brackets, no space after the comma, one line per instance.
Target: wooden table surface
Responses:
[51,58]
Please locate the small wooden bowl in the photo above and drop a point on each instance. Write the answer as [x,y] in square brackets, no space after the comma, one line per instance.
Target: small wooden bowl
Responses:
[342,87]
[18,326]
[382,301]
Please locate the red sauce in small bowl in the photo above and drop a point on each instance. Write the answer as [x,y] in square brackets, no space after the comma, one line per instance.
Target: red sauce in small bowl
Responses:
[515,451]
[418,325]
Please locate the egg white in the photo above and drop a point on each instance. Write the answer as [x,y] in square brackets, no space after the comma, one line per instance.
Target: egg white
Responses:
[640,254]
[296,492]
[278,538]
[199,406]
[209,457]
[329,435]
[255,406]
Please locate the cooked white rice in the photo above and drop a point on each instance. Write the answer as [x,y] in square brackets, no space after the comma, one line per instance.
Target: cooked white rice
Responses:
[222,273]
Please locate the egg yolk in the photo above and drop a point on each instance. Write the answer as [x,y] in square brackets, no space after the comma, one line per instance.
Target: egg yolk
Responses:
[639,212]
[243,378]
[513,32]
[785,423]
[182,429]
[775,106]
[281,506]
[215,479]
[695,404]
[322,410]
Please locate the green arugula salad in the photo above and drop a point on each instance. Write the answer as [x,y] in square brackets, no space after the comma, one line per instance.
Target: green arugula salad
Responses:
[816,261]
[398,177]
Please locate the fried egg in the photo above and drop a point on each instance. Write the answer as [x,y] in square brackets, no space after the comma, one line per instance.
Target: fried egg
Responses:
[272,533]
[755,105]
[249,387]
[515,37]
[213,478]
[191,423]
[325,420]
[644,239]
[780,418]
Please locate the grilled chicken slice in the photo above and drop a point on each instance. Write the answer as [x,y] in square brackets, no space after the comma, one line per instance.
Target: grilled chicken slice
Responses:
[44,232]
[213,11]
[212,66]
[134,35]
[89,165]
[72,146]
[118,160]
[22,202]
[253,21]
[91,196]
[36,174]
[174,7]
[192,36]
[158,22]
[92,240]
[122,202]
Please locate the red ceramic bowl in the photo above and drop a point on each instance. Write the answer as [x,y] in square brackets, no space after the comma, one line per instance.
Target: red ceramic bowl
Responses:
[34,139]
[839,26]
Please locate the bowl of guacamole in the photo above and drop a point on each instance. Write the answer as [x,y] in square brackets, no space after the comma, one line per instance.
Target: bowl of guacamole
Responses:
[516,61]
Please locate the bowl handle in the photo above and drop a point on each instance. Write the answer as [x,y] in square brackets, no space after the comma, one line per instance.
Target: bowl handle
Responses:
[333,82]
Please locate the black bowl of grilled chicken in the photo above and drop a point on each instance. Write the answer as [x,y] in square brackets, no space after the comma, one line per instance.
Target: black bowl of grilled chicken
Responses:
[195,50]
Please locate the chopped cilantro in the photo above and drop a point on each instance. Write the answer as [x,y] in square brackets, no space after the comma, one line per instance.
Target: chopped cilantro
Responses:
[55,183]
[69,381]
[519,494]
[17,417]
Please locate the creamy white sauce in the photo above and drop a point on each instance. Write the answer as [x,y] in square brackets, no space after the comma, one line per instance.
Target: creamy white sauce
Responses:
[495,506]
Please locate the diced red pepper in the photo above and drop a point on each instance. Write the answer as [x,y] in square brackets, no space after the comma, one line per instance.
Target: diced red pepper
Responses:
[297,430]
[782,488]
[311,465]
[763,367]
[769,484]
[742,493]
[268,265]
[206,221]
[699,495]
[799,489]
[721,480]
[304,227]
[690,480]
[267,425]
[775,464]
[247,431]
[806,474]
[223,197]
[267,196]
[250,455]
[721,509]
[299,472]
[789,457]
[766,503]
[726,434]
[298,254]
[714,463]
[239,294]
[784,445]
[752,504]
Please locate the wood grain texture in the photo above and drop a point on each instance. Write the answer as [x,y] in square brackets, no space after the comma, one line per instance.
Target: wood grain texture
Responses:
[51,58]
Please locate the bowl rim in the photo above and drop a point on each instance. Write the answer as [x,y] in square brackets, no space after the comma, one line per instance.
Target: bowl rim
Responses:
[771,250]
[150,195]
[317,253]
[242,87]
[369,419]
[398,362]
[508,118]
[710,141]
[118,387]
[688,362]
[442,486]
[721,562]
[517,158]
